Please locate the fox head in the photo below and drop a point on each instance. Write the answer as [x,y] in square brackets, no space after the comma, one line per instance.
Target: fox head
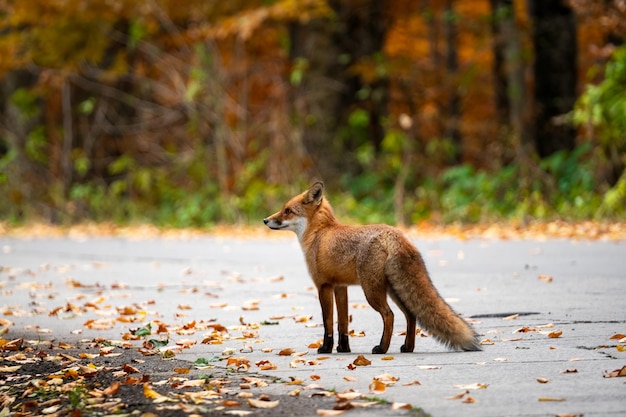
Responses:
[297,212]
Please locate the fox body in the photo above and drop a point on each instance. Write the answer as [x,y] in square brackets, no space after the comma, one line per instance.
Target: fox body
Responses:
[379,258]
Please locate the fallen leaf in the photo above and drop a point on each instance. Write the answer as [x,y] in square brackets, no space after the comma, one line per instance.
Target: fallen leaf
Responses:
[349,378]
[348,395]
[130,369]
[286,352]
[10,368]
[361,361]
[329,413]
[511,317]
[620,348]
[617,336]
[469,400]
[387,358]
[475,385]
[400,406]
[406,384]
[570,371]
[545,278]
[377,387]
[458,396]
[554,334]
[616,373]
[543,380]
[262,403]
[551,399]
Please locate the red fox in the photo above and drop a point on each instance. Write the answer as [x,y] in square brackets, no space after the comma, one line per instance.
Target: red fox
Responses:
[379,258]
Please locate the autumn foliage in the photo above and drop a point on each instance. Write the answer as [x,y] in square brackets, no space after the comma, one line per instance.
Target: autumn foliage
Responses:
[216,111]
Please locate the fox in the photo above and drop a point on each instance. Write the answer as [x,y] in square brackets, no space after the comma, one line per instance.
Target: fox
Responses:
[382,260]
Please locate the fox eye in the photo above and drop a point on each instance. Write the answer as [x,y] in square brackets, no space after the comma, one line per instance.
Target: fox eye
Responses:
[287,211]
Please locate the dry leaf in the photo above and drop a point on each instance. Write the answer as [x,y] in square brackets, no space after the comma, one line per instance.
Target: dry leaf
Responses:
[511,317]
[362,361]
[349,378]
[475,385]
[469,400]
[617,336]
[349,395]
[551,399]
[329,413]
[262,403]
[400,406]
[554,334]
[458,396]
[286,352]
[616,373]
[545,278]
[387,358]
[570,371]
[543,380]
[406,384]
[377,387]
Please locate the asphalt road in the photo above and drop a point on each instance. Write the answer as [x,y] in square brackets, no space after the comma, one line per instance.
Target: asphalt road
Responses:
[260,291]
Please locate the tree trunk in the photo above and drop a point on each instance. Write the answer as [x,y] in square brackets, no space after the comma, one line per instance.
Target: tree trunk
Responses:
[555,70]
[329,90]
[452,68]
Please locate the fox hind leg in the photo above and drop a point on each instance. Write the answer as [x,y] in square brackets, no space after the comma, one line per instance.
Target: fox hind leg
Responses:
[376,294]
[409,341]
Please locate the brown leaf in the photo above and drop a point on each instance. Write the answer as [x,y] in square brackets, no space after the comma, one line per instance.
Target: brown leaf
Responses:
[543,380]
[130,369]
[617,336]
[362,361]
[286,352]
[554,334]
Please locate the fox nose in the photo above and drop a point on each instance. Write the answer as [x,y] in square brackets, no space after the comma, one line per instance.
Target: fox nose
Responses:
[266,221]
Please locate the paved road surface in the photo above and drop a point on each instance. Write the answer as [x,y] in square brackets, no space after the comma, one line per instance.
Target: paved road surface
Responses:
[577,288]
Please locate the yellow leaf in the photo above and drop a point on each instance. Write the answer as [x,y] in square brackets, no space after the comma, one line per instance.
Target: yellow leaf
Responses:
[377,387]
[551,399]
[10,368]
[554,334]
[387,358]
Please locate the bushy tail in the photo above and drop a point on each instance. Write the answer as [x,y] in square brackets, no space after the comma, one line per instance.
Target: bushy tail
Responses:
[421,298]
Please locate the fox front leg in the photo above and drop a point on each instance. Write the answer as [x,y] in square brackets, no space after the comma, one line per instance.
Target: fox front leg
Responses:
[341,299]
[326,301]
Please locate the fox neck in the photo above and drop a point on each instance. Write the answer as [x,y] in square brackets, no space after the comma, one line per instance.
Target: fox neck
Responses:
[319,220]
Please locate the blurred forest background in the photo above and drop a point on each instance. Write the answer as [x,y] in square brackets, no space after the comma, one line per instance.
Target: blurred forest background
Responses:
[203,112]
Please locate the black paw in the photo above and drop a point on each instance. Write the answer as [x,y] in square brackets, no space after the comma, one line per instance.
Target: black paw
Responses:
[403,348]
[344,343]
[325,349]
[378,350]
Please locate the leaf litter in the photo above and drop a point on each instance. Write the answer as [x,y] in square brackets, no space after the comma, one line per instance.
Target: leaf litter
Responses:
[140,371]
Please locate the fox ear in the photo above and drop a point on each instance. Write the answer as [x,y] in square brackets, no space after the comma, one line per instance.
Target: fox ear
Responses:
[314,194]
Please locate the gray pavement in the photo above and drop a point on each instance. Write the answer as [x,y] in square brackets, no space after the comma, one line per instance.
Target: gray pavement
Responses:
[577,288]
